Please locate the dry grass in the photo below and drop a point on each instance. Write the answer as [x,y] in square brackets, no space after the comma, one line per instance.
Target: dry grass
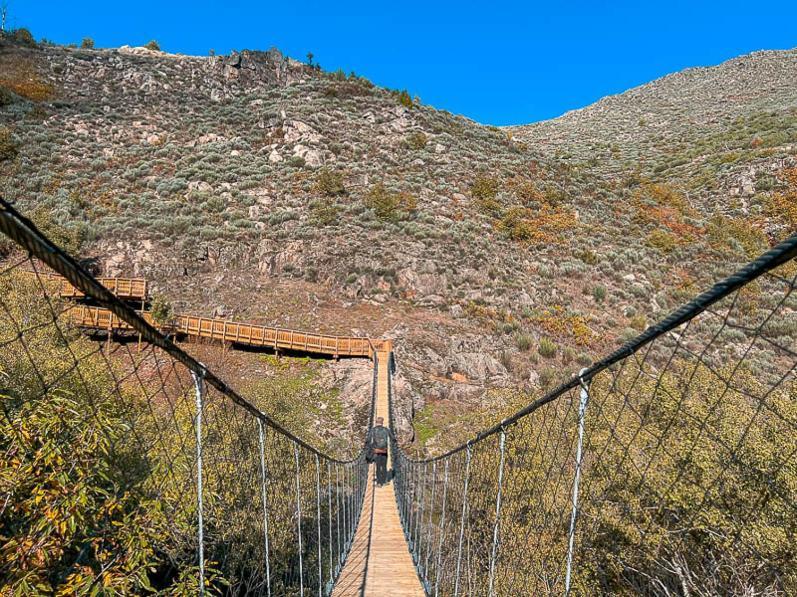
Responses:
[24,78]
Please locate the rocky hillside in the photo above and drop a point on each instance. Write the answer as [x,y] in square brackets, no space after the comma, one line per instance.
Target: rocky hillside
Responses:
[723,133]
[254,186]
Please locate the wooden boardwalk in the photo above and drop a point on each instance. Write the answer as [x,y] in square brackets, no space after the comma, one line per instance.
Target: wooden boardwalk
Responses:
[380,563]
[248,334]
[125,288]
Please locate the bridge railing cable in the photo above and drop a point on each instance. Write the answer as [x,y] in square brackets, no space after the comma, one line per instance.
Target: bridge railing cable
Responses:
[138,470]
[668,467]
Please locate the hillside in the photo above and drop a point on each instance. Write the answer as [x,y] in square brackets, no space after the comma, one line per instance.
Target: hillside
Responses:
[500,260]
[724,133]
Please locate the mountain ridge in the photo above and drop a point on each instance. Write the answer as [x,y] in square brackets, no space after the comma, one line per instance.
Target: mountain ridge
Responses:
[255,186]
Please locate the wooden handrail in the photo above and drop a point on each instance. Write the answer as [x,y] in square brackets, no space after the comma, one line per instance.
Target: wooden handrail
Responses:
[219,329]
[124,288]
[248,334]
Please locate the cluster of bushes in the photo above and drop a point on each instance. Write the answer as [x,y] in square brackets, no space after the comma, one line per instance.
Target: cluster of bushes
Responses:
[23,78]
[9,148]
[782,207]
[417,140]
[97,461]
[20,36]
[81,513]
[330,183]
[390,205]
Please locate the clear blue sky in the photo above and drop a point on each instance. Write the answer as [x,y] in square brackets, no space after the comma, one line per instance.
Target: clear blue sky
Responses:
[496,62]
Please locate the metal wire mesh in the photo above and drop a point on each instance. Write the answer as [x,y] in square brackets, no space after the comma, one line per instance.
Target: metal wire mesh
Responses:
[684,444]
[101,452]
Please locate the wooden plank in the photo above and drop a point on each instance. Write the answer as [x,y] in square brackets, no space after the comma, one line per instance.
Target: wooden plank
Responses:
[380,562]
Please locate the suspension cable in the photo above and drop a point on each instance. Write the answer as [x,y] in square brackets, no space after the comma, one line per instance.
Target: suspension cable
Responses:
[261,439]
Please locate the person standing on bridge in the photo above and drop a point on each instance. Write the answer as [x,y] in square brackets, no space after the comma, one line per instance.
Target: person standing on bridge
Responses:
[378,439]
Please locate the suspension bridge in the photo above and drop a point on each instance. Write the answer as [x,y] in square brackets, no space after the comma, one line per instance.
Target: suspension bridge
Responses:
[667,467]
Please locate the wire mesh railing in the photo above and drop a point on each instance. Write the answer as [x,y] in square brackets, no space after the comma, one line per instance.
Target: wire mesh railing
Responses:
[127,469]
[668,468]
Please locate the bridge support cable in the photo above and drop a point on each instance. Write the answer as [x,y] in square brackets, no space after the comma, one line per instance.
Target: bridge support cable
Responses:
[417,545]
[497,526]
[318,525]
[164,448]
[462,523]
[199,391]
[346,526]
[441,531]
[338,511]
[429,529]
[680,479]
[264,498]
[299,521]
[582,411]
[330,558]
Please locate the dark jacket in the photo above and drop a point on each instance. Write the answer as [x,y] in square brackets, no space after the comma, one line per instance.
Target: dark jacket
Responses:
[373,437]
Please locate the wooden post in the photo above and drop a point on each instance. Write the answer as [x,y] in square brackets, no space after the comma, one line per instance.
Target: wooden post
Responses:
[143,306]
[108,338]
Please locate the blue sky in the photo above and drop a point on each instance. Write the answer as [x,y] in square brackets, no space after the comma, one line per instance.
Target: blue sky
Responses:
[496,62]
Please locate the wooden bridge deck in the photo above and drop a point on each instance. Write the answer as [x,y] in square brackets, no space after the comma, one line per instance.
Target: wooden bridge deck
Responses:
[232,331]
[379,563]
[248,334]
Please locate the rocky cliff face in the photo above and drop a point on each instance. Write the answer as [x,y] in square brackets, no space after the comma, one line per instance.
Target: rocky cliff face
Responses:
[254,186]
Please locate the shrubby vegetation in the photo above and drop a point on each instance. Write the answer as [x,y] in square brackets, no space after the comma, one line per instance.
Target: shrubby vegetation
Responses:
[686,487]
[8,147]
[24,79]
[80,513]
[330,183]
[389,205]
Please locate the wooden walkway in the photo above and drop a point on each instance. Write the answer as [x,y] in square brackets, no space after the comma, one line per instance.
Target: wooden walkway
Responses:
[125,288]
[247,334]
[379,563]
[235,332]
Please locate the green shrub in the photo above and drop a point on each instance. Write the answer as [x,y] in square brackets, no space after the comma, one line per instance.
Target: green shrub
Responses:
[161,310]
[389,205]
[662,240]
[87,43]
[79,512]
[417,140]
[8,147]
[6,97]
[587,256]
[153,45]
[325,213]
[484,187]
[69,237]
[23,36]
[568,355]
[599,293]
[639,322]
[404,99]
[547,348]
[329,183]
[524,341]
